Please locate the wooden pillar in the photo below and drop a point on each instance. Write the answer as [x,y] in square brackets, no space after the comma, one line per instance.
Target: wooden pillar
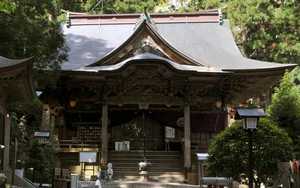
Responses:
[14,165]
[45,117]
[187,137]
[104,136]
[7,126]
[52,123]
[62,126]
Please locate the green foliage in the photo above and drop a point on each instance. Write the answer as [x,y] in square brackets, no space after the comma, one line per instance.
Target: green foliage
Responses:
[285,108]
[41,159]
[72,5]
[229,150]
[296,73]
[267,30]
[132,6]
[30,29]
[204,4]
[7,6]
[110,6]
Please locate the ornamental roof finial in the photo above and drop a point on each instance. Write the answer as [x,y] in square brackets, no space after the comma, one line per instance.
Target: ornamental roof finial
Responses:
[146,15]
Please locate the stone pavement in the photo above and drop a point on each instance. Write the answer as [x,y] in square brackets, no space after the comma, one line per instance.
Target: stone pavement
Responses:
[134,184]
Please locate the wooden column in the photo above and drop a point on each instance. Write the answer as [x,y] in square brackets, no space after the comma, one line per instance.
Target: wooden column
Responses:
[104,136]
[52,123]
[45,117]
[187,137]
[7,126]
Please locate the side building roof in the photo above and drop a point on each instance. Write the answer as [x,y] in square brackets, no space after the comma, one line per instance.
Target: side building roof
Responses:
[16,79]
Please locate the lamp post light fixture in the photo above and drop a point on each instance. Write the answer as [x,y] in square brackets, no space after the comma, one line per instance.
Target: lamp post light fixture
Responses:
[32,173]
[250,118]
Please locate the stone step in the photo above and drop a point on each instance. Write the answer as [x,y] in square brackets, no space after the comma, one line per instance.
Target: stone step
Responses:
[154,169]
[136,173]
[153,163]
[170,177]
[157,158]
[148,157]
[163,164]
[142,153]
[160,164]
[132,182]
[127,164]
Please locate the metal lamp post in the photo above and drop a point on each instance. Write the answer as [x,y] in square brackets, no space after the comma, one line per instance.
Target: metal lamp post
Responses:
[143,165]
[250,118]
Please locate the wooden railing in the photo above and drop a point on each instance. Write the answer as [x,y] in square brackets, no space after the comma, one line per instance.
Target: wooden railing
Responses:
[76,143]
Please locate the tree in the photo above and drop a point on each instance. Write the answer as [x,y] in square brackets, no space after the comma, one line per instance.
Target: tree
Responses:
[73,5]
[228,151]
[285,108]
[29,28]
[267,30]
[110,6]
[204,4]
[41,158]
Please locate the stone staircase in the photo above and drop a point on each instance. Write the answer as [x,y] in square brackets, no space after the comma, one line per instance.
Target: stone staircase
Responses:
[166,166]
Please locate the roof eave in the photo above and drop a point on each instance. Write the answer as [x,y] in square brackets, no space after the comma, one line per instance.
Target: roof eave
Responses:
[16,64]
[278,68]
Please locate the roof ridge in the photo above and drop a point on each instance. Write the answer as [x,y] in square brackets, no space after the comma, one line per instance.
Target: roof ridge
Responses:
[195,17]
[187,17]
[201,12]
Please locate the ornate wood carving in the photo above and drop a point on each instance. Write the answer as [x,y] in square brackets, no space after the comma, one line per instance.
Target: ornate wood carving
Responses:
[146,84]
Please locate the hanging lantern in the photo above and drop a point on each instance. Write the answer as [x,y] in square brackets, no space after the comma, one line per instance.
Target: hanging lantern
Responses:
[72,103]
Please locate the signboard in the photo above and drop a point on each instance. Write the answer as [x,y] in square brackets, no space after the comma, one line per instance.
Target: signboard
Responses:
[122,146]
[87,157]
[42,134]
[202,156]
[170,132]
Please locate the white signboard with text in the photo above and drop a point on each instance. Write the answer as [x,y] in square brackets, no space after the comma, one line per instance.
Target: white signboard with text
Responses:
[87,157]
[170,132]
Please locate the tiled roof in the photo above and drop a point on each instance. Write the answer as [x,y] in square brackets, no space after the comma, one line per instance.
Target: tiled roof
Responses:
[5,62]
[198,36]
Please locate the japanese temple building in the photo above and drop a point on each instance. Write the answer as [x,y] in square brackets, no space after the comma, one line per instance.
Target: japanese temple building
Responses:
[15,89]
[158,86]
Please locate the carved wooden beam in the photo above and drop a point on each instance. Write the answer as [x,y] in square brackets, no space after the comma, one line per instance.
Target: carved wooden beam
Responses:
[166,100]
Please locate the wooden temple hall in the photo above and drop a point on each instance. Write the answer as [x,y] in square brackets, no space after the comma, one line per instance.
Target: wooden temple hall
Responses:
[155,86]
[16,91]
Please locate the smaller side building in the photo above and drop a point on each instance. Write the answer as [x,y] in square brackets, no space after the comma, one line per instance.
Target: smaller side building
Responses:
[15,88]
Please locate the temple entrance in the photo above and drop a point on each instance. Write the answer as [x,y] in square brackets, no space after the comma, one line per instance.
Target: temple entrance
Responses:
[144,130]
[137,135]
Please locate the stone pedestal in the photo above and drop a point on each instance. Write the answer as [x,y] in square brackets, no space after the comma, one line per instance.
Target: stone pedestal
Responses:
[74,181]
[144,175]
[143,172]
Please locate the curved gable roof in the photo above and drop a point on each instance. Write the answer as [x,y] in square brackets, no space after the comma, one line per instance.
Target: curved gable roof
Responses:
[196,41]
[11,63]
[150,57]
[15,75]
[143,31]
